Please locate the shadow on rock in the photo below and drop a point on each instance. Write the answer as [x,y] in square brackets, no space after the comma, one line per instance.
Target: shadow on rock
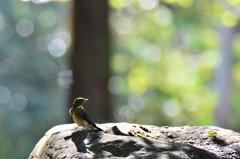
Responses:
[78,139]
[194,152]
[117,148]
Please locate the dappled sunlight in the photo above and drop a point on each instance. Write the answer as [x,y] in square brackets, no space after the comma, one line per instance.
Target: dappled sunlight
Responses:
[169,57]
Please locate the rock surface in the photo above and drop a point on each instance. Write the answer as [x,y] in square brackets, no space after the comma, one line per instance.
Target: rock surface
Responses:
[125,140]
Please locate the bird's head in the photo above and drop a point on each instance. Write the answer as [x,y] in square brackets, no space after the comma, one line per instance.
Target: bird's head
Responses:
[79,101]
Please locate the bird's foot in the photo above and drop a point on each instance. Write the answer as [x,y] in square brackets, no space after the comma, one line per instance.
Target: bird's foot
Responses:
[79,128]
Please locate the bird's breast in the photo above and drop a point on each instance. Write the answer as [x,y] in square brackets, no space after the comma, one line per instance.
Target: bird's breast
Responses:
[79,120]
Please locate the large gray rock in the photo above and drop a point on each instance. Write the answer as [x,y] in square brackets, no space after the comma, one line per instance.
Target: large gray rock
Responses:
[125,140]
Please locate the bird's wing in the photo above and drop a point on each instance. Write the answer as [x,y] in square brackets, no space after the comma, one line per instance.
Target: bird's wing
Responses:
[84,115]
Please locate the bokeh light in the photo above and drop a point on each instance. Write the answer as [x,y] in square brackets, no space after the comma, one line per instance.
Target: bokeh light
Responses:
[148,4]
[25,27]
[171,108]
[167,53]
[164,58]
[47,18]
[34,37]
[163,16]
[18,102]
[57,47]
[65,78]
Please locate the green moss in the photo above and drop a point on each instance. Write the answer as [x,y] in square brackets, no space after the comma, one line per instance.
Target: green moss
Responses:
[212,134]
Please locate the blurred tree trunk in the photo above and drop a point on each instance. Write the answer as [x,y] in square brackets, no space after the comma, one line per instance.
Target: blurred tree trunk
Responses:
[90,56]
[224,78]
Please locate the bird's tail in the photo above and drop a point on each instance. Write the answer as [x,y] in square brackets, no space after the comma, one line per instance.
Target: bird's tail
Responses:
[99,129]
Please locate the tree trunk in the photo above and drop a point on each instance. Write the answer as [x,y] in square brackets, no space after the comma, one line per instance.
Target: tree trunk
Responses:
[224,79]
[90,56]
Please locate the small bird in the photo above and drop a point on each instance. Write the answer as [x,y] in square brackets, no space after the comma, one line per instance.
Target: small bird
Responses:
[79,115]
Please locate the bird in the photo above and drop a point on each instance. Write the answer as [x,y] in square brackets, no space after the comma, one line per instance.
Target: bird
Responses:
[80,116]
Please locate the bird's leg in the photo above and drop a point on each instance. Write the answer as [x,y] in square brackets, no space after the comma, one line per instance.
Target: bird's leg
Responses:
[79,128]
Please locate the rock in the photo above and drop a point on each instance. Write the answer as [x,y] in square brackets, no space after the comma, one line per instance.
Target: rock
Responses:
[125,140]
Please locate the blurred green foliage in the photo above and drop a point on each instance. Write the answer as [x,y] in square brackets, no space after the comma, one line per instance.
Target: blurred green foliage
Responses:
[165,58]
